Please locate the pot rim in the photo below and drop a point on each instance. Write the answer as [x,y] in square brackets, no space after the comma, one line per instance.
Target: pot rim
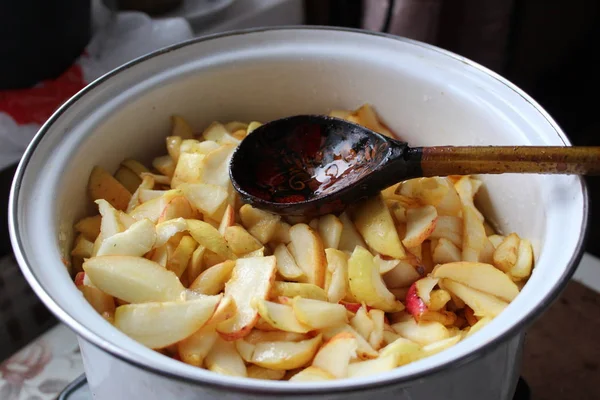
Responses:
[244,385]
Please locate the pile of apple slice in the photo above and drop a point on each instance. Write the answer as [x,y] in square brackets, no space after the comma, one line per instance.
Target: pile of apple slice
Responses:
[175,261]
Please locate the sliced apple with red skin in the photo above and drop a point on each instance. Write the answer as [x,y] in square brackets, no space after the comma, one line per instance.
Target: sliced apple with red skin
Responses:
[414,304]
[483,277]
[280,316]
[319,314]
[158,325]
[133,279]
[335,355]
[366,283]
[312,374]
[353,307]
[420,224]
[374,222]
[285,355]
[307,249]
[176,207]
[166,230]
[251,278]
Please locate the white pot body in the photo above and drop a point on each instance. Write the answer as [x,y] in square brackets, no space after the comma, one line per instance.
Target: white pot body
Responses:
[426,95]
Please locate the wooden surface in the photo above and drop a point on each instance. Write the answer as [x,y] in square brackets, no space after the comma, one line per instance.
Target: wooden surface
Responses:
[562,348]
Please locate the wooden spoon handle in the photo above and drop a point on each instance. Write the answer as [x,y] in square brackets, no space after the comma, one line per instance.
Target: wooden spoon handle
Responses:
[467,160]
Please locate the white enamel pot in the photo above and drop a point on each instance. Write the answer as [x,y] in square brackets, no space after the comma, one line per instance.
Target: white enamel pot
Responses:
[426,95]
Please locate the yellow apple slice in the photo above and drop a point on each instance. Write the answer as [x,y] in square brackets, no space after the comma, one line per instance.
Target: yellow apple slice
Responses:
[371,367]
[312,374]
[319,314]
[467,188]
[522,268]
[205,197]
[167,229]
[245,349]
[188,169]
[374,222]
[218,133]
[180,127]
[215,166]
[335,355]
[403,350]
[350,238]
[366,283]
[212,281]
[251,278]
[257,336]
[423,332]
[224,359]
[110,224]
[420,223]
[178,261]
[445,252]
[337,264]
[362,323]
[285,355]
[474,237]
[450,228]
[478,325]
[89,227]
[483,304]
[102,185]
[293,289]
[280,316]
[209,237]
[137,240]
[376,336]
[227,220]
[158,325]
[194,349]
[307,249]
[256,372]
[133,279]
[385,265]
[506,254]
[483,277]
[194,146]
[165,165]
[330,230]
[363,350]
[240,241]
[439,346]
[83,248]
[286,265]
[261,224]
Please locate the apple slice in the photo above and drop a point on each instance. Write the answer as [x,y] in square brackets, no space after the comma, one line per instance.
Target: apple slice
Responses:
[330,229]
[103,303]
[173,145]
[420,224]
[280,316]
[165,165]
[261,224]
[438,299]
[286,265]
[178,261]
[403,275]
[415,304]
[215,166]
[403,350]
[293,289]
[188,169]
[218,133]
[445,252]
[245,349]
[196,265]
[285,355]
[349,238]
[424,287]
[483,277]
[478,325]
[374,222]
[362,323]
[376,336]
[496,240]
[224,359]
[423,332]
[83,248]
[319,314]
[180,127]
[167,229]
[307,250]
[133,279]
[506,254]
[337,264]
[282,233]
[251,278]
[450,228]
[366,283]
[137,240]
[385,265]
[227,220]
[474,237]
[467,188]
[439,346]
[371,367]
[89,227]
[522,268]
[256,372]
[240,241]
[205,197]
[364,350]
[483,304]
[312,374]
[335,355]
[257,336]
[195,146]
[110,223]
[209,237]
[102,185]
[194,349]
[158,325]
[212,281]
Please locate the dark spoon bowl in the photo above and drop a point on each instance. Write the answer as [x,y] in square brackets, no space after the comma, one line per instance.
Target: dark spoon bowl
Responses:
[311,165]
